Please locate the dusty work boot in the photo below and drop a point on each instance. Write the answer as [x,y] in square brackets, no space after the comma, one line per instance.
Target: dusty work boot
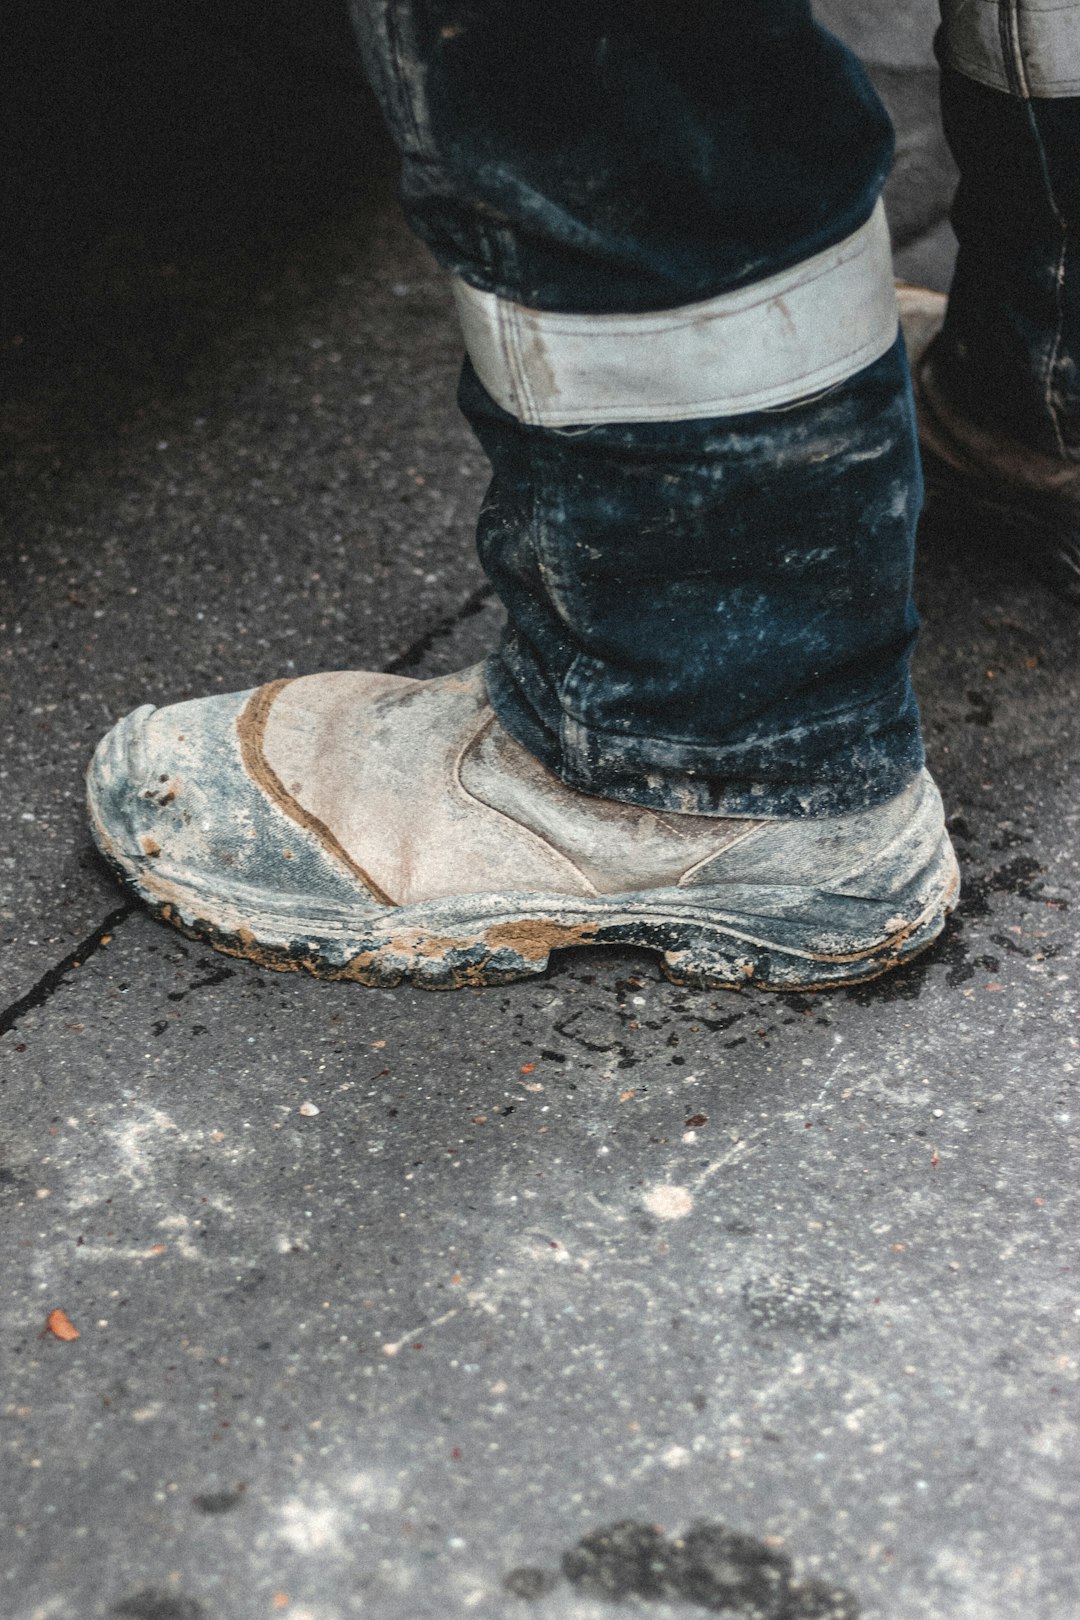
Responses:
[1021,499]
[369,827]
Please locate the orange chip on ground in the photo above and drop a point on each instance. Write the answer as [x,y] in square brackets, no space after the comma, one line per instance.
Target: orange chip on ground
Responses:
[60,1325]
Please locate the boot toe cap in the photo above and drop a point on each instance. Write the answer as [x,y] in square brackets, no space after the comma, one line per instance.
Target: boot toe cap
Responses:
[175,810]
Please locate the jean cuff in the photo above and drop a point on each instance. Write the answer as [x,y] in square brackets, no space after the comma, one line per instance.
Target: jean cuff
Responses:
[861,756]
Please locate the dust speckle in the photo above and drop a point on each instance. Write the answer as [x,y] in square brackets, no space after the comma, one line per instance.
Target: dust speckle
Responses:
[667,1202]
[311,1527]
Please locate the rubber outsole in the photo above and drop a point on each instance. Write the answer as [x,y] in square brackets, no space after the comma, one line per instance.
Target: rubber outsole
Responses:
[499,939]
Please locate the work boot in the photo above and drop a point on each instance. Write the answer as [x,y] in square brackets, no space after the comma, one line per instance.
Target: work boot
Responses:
[369,827]
[1019,499]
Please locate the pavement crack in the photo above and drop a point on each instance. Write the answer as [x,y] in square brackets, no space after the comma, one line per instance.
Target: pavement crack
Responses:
[53,978]
[439,631]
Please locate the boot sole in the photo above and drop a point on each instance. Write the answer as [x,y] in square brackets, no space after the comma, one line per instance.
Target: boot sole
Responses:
[1035,530]
[704,938]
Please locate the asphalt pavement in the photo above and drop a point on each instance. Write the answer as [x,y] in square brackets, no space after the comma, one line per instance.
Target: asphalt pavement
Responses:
[400,1305]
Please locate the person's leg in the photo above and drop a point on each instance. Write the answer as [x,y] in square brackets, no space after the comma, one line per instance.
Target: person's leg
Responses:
[709,605]
[676,292]
[1000,389]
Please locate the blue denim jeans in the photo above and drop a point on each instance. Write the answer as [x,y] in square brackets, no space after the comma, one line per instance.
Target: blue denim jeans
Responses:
[710,615]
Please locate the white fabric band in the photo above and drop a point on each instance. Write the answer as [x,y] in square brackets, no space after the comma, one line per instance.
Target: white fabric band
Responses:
[767,344]
[1024,47]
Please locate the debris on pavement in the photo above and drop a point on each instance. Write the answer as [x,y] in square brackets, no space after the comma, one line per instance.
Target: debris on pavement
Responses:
[60,1325]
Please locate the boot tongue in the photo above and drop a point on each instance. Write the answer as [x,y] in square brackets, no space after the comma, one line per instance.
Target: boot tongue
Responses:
[618,847]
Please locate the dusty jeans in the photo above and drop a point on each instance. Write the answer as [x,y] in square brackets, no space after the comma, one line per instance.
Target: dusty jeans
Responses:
[709,614]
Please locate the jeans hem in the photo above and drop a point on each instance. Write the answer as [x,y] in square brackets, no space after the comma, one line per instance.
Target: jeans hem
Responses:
[854,777]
